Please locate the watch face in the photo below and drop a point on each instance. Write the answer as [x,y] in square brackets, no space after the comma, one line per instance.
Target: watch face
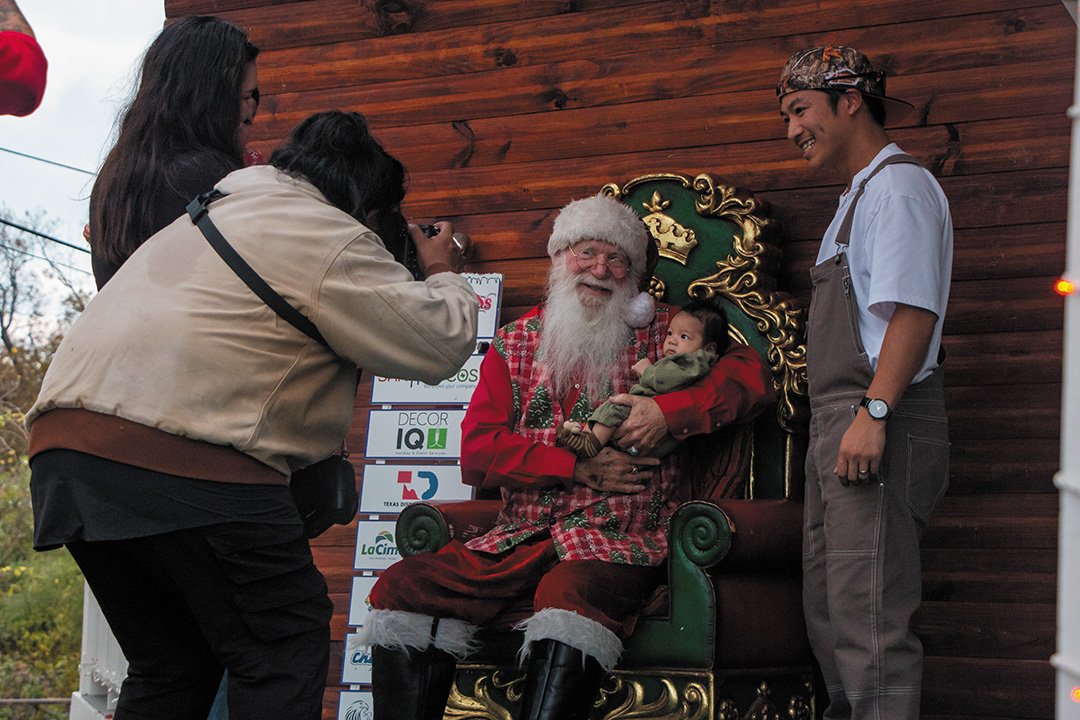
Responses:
[878,409]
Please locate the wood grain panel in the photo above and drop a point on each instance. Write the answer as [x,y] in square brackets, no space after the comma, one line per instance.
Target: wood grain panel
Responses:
[1030,533]
[988,562]
[1004,358]
[580,84]
[663,30]
[179,8]
[976,630]
[1025,411]
[322,22]
[1021,587]
[1025,465]
[957,148]
[985,687]
[1028,250]
[1015,505]
[336,562]
[985,306]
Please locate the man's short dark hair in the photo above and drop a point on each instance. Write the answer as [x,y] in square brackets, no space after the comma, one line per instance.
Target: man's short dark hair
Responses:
[873,104]
[714,323]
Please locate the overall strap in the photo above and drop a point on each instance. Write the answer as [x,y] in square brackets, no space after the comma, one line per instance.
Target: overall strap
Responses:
[844,235]
[197,210]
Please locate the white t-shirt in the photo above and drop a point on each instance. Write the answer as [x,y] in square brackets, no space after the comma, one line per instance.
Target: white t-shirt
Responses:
[900,250]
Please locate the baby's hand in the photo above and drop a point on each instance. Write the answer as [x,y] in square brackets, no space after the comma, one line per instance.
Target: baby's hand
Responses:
[640,365]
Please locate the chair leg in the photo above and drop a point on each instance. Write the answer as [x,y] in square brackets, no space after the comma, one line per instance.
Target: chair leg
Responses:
[410,684]
[561,683]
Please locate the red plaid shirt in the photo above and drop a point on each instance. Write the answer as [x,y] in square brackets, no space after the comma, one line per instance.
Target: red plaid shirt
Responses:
[508,438]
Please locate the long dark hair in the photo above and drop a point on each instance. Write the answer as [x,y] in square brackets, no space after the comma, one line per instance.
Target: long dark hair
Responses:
[336,153]
[188,101]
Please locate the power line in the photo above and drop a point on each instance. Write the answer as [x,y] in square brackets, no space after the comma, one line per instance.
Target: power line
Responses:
[42,257]
[50,162]
[43,235]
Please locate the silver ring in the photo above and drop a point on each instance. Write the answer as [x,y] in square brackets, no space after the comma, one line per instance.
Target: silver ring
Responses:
[459,242]
[633,450]
[633,469]
[864,472]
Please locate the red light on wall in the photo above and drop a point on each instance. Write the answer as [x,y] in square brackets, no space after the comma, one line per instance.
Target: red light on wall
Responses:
[1075,694]
[1065,287]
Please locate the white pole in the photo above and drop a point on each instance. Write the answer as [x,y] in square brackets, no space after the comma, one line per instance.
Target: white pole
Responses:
[1067,658]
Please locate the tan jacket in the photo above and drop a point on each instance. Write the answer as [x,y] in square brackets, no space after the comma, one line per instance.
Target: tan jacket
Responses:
[177,342]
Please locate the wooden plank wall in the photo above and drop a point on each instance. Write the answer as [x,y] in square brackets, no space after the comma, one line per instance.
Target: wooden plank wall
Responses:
[504,110]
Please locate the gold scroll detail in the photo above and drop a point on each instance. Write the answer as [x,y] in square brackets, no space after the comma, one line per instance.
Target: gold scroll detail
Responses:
[692,702]
[741,279]
[481,704]
[620,699]
[674,241]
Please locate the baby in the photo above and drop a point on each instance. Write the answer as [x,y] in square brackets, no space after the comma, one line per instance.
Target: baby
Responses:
[696,337]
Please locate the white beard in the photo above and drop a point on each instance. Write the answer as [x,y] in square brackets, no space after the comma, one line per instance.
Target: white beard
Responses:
[583,339]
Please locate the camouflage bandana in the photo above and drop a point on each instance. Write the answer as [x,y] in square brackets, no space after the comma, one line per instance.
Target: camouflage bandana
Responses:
[838,68]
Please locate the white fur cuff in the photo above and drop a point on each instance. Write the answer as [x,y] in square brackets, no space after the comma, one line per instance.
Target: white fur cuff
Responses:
[395,629]
[456,637]
[569,628]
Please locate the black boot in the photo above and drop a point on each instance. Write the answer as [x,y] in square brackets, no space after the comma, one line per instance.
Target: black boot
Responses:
[411,684]
[558,686]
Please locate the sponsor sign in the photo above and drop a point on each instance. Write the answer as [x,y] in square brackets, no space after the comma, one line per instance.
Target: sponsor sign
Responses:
[375,546]
[457,390]
[358,600]
[356,666]
[355,705]
[488,287]
[389,488]
[406,433]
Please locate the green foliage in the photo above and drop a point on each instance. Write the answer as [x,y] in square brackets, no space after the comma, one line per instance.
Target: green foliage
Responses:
[31,325]
[40,611]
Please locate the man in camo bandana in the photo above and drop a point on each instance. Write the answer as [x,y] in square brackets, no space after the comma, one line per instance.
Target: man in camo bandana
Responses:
[879,448]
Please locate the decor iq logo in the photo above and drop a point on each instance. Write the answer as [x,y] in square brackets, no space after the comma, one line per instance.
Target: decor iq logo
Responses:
[421,430]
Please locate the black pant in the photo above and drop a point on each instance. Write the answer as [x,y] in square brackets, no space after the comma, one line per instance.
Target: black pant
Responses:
[184,605]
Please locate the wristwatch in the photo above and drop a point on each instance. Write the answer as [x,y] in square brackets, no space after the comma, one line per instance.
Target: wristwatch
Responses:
[878,409]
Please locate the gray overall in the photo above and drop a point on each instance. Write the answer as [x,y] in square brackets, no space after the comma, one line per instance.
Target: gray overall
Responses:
[862,575]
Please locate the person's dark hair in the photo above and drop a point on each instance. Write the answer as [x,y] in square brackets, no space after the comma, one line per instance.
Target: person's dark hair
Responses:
[714,323]
[188,100]
[873,104]
[336,153]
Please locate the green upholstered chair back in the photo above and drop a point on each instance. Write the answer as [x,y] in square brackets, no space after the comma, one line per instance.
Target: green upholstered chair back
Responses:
[715,244]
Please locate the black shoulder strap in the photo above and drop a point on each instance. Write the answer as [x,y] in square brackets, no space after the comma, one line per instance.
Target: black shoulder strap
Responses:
[844,234]
[197,210]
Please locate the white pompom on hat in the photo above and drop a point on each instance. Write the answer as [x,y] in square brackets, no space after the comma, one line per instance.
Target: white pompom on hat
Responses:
[601,218]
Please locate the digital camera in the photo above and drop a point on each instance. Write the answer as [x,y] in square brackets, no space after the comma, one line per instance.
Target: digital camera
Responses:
[405,250]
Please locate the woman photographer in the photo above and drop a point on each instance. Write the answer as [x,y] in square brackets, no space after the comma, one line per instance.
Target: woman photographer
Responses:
[179,404]
[186,128]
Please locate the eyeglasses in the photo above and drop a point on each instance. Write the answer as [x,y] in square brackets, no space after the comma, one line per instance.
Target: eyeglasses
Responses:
[616,263]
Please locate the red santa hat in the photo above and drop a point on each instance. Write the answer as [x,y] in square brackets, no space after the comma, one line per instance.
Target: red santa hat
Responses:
[602,218]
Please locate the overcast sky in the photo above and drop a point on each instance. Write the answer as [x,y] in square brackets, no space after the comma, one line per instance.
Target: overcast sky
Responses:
[93,47]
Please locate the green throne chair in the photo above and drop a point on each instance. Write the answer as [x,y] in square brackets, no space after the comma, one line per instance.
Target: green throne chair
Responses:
[726,638]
